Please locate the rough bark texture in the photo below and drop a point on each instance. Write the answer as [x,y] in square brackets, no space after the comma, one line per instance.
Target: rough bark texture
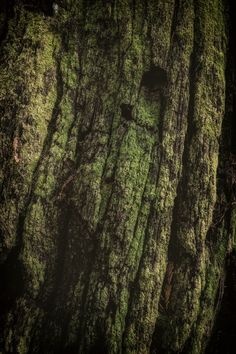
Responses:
[117,175]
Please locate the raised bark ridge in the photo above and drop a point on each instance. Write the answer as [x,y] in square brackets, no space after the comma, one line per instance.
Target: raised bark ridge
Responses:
[113,230]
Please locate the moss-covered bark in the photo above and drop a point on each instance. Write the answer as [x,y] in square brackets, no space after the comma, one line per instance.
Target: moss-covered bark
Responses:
[117,174]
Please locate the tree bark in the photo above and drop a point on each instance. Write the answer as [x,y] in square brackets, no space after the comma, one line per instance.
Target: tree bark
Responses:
[117,175]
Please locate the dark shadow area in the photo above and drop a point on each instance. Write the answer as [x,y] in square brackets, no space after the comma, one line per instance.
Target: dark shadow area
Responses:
[11,285]
[224,333]
[6,12]
[232,72]
[44,6]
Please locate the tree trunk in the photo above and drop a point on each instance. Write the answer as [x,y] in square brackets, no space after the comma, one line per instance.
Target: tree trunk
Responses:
[117,175]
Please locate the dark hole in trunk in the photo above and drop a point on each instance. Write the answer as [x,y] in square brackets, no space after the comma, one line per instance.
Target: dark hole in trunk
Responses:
[126,111]
[154,79]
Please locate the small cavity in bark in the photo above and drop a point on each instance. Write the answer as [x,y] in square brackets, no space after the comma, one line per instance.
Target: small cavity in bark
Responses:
[154,79]
[126,111]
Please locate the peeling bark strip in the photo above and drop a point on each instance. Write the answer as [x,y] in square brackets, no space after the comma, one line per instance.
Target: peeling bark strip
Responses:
[117,175]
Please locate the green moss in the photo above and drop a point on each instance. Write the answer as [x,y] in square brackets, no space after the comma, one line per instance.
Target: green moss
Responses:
[29,80]
[114,178]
